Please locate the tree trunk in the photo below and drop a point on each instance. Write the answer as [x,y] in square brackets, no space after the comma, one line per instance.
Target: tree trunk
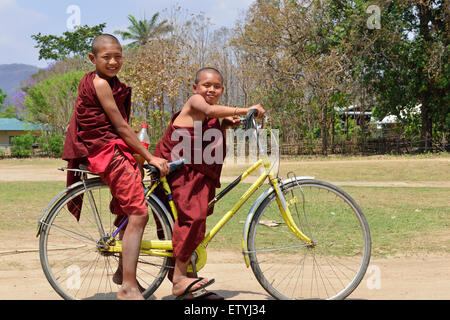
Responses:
[427,125]
[332,133]
[147,113]
[324,131]
[426,114]
[153,121]
[161,116]
[362,124]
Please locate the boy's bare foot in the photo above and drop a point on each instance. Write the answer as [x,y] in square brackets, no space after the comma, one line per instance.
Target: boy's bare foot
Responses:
[129,293]
[118,276]
[181,283]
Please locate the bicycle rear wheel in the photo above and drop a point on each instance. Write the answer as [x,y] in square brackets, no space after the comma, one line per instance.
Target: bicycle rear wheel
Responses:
[330,269]
[70,250]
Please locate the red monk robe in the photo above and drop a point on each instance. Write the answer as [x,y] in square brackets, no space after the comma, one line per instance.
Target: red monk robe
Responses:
[91,139]
[193,186]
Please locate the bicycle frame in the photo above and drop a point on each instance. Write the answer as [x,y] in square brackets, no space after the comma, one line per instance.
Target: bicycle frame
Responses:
[164,247]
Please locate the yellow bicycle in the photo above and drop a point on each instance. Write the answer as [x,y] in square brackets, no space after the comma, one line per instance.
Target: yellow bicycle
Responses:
[303,238]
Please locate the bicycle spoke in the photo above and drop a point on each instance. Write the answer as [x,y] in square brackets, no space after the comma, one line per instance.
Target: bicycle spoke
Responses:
[72,234]
[279,248]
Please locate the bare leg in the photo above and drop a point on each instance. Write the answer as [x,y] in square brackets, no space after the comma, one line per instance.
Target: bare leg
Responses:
[181,279]
[131,245]
[118,275]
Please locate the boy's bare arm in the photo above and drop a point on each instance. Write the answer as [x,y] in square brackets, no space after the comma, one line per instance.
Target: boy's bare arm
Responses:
[105,96]
[198,103]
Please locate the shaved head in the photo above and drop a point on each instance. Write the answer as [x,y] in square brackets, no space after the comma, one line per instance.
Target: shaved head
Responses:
[101,40]
[207,69]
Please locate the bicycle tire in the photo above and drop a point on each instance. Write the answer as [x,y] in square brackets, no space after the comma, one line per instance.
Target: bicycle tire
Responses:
[71,259]
[334,266]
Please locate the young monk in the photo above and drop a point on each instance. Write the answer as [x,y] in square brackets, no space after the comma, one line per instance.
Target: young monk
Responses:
[99,136]
[193,186]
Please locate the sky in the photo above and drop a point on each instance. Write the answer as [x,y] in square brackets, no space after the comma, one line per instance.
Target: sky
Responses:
[19,19]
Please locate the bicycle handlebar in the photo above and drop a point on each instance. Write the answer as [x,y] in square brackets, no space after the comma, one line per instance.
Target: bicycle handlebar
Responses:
[173,166]
[249,120]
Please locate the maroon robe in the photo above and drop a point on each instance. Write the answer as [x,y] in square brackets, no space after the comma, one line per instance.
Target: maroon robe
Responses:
[90,131]
[193,186]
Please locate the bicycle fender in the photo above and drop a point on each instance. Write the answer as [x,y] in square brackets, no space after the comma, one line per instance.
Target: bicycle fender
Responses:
[163,207]
[249,218]
[253,209]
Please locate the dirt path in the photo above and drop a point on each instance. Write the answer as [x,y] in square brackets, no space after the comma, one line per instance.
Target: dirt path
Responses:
[30,173]
[400,278]
[52,174]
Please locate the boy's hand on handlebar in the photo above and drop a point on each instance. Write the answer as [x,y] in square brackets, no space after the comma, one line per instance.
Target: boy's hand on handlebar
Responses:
[260,110]
[231,122]
[161,164]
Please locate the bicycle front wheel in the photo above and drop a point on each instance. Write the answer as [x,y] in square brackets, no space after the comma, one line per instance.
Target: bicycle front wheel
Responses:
[333,266]
[71,251]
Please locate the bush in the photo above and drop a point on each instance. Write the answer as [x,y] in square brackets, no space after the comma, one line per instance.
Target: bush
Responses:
[51,145]
[22,146]
[56,143]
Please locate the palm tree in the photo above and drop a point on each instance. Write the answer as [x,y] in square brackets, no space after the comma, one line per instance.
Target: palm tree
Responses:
[142,31]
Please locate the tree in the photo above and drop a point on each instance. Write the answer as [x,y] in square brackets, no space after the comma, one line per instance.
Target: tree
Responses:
[142,31]
[6,111]
[2,97]
[413,70]
[313,56]
[52,101]
[301,67]
[71,43]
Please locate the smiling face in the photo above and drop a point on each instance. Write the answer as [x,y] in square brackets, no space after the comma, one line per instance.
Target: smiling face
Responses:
[108,59]
[209,86]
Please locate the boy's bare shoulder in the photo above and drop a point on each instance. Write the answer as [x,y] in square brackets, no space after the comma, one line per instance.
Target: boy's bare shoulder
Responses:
[192,100]
[100,82]
[101,86]
[190,111]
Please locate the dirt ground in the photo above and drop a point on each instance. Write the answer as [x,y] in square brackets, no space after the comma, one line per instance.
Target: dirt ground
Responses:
[400,278]
[395,278]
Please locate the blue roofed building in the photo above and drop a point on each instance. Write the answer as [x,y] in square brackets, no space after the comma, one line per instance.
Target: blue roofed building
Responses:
[10,128]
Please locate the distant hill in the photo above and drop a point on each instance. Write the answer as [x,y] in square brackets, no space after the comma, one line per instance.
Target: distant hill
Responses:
[11,75]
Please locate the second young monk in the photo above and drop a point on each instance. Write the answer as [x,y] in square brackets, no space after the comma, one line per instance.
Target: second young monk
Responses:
[193,186]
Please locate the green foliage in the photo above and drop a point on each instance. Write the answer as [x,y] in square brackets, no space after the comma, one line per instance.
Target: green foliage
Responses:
[8,111]
[2,96]
[52,101]
[52,145]
[413,69]
[71,43]
[22,146]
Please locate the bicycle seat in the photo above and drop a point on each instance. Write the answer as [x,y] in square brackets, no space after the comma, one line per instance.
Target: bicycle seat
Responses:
[154,172]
